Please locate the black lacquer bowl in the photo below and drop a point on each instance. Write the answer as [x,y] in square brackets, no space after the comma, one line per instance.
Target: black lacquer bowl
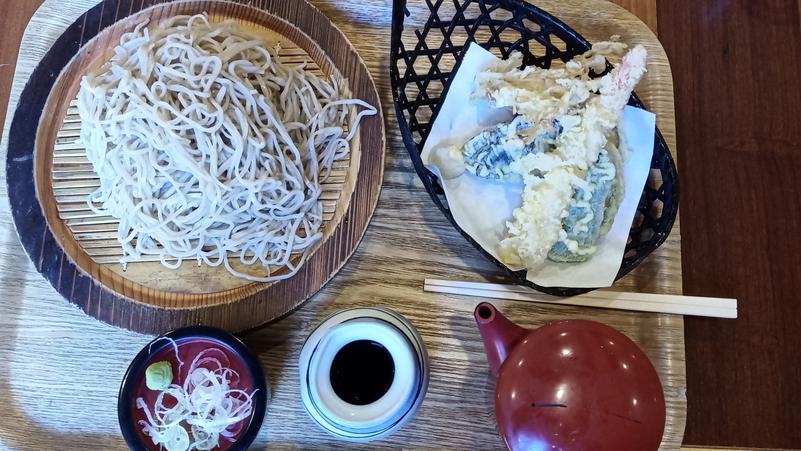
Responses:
[421,73]
[246,364]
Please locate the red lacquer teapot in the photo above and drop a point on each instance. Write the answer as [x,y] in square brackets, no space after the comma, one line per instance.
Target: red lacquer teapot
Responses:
[571,385]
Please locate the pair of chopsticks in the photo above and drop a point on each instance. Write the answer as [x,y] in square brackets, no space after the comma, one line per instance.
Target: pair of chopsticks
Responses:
[641,302]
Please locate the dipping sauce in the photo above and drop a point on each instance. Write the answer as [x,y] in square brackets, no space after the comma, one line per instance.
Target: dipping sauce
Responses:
[188,350]
[362,372]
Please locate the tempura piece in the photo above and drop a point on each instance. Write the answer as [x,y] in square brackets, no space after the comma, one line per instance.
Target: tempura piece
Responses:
[491,153]
[543,95]
[552,178]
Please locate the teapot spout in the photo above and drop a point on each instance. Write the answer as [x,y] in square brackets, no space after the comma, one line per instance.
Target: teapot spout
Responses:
[499,334]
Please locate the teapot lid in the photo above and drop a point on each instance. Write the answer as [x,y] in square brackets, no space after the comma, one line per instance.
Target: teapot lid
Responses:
[579,385]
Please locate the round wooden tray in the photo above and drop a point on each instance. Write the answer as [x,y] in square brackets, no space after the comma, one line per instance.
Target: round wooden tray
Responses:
[82,254]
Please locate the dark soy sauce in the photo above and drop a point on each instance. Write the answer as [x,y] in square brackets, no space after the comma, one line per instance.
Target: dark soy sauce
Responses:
[362,371]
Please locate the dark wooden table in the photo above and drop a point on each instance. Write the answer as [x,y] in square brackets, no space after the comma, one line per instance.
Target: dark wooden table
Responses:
[737,71]
[738,98]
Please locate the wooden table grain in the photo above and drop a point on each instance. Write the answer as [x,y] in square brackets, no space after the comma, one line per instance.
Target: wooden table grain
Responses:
[61,368]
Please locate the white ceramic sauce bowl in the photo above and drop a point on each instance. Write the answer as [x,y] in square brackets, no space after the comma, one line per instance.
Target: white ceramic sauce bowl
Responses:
[404,395]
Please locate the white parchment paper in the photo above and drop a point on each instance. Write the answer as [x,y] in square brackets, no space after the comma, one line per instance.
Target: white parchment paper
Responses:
[482,207]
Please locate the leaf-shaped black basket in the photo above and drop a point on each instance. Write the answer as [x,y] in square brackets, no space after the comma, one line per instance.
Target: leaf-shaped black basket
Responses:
[427,48]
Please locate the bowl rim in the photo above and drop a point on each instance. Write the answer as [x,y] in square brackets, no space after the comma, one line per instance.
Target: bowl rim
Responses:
[136,369]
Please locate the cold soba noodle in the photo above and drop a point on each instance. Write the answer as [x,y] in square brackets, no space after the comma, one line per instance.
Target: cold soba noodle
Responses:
[205,144]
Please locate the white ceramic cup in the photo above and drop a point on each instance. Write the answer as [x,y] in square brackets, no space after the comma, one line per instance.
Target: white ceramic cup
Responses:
[387,409]
[391,410]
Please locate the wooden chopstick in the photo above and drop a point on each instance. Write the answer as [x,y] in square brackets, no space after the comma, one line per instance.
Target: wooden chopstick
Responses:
[642,302]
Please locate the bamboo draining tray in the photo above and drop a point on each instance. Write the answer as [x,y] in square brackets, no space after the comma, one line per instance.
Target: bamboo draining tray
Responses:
[64,178]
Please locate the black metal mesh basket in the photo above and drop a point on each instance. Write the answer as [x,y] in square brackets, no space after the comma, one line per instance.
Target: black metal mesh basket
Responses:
[428,42]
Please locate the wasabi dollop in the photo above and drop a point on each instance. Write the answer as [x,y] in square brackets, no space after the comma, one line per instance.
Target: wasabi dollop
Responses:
[158,376]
